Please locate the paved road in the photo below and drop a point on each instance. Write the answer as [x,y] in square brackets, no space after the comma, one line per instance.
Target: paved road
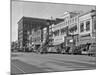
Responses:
[36,63]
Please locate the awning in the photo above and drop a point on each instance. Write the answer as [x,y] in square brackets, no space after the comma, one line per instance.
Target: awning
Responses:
[91,40]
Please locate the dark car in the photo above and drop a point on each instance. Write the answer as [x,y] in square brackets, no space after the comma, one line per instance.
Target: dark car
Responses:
[92,50]
[77,50]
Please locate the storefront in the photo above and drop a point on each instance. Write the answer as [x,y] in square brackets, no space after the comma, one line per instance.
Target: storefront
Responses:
[71,40]
[84,39]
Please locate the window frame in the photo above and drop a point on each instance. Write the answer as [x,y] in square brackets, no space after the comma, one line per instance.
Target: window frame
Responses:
[87,27]
[81,27]
[56,33]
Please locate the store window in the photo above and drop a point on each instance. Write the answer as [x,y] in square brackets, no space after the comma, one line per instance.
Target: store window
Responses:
[81,27]
[87,25]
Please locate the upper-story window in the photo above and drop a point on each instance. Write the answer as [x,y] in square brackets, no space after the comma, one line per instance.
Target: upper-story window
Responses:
[87,25]
[63,31]
[81,27]
[73,29]
[56,33]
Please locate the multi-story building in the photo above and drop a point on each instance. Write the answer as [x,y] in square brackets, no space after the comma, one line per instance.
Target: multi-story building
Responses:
[87,27]
[51,29]
[45,34]
[71,20]
[59,33]
[69,25]
[81,28]
[30,30]
[73,29]
[35,38]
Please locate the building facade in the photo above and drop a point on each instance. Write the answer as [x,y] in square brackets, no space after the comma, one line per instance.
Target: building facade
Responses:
[45,34]
[66,32]
[35,38]
[58,35]
[87,28]
[74,29]
[59,32]
[71,20]
[30,31]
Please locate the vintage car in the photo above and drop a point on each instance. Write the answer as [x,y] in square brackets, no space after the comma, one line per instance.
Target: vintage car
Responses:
[89,50]
[92,50]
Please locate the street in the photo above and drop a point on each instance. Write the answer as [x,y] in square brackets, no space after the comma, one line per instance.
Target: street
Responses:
[23,63]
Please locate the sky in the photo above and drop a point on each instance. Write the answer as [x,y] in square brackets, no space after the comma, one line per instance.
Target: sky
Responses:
[40,10]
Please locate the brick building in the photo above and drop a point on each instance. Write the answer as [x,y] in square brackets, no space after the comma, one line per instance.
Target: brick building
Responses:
[30,30]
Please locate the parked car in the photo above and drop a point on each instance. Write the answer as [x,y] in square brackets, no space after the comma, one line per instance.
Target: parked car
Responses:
[84,52]
[42,50]
[28,50]
[92,50]
[63,51]
[52,49]
[76,50]
[89,50]
[70,51]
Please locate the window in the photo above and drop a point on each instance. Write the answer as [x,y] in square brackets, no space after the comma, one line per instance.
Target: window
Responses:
[82,27]
[56,33]
[87,25]
[63,31]
[73,29]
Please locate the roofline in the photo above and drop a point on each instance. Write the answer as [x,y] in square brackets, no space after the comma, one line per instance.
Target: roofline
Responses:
[20,20]
[34,18]
[85,13]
